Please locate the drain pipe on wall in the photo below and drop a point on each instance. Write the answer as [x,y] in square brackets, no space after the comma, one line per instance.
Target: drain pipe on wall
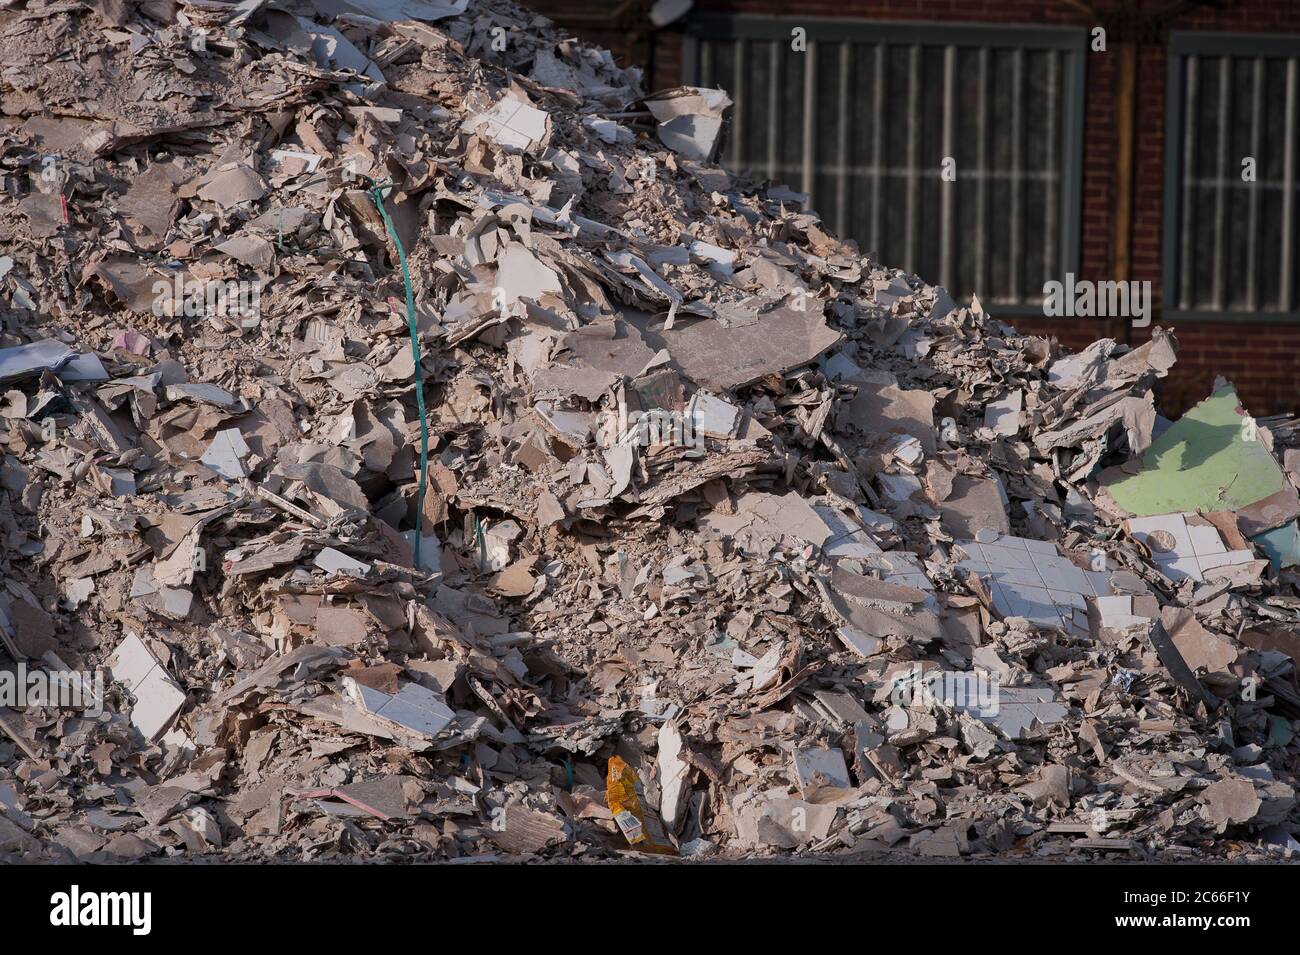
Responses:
[1132,27]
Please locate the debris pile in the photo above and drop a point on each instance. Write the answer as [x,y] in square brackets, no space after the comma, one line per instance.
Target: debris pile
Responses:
[731,541]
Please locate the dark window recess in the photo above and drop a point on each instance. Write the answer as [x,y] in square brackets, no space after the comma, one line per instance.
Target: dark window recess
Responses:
[863,119]
[1230,244]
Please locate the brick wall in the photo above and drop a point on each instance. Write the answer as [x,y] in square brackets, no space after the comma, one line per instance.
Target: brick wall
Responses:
[1263,360]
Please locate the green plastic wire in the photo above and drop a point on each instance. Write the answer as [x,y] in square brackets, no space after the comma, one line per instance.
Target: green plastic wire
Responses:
[377,193]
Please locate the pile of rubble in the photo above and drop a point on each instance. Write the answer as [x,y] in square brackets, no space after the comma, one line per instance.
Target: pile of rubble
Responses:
[731,540]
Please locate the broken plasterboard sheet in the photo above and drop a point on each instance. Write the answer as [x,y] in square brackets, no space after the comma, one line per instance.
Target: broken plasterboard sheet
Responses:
[334,561]
[773,819]
[158,698]
[626,263]
[975,504]
[882,406]
[1200,649]
[777,516]
[841,709]
[330,48]
[592,359]
[712,416]
[839,365]
[1207,460]
[384,797]
[1171,657]
[202,391]
[1155,356]
[430,550]
[873,592]
[1230,801]
[520,274]
[920,626]
[527,830]
[716,259]
[511,123]
[251,250]
[846,538]
[1267,513]
[226,454]
[690,119]
[340,626]
[230,185]
[816,769]
[84,367]
[770,515]
[1070,370]
[413,709]
[23,361]
[1003,415]
[1122,612]
[674,772]
[860,642]
[720,358]
[1030,579]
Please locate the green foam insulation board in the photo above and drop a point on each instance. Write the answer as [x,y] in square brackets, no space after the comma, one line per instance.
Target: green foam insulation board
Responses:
[1203,461]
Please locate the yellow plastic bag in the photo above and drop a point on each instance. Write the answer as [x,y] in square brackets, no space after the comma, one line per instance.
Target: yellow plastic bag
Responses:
[640,824]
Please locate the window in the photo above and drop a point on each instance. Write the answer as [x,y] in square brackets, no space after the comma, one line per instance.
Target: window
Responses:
[1230,246]
[863,119]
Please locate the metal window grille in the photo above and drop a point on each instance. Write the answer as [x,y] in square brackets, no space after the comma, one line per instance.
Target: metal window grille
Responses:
[864,117]
[1230,246]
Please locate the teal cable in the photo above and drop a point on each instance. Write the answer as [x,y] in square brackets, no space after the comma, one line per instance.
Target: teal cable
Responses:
[377,193]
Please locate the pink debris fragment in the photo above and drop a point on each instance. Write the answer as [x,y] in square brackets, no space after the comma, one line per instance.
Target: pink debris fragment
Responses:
[133,342]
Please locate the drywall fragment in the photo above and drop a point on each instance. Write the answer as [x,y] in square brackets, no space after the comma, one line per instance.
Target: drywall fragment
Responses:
[816,769]
[226,454]
[158,698]
[975,504]
[1200,649]
[511,123]
[1172,659]
[340,626]
[864,644]
[336,562]
[23,361]
[1003,415]
[719,358]
[673,773]
[690,119]
[384,797]
[1229,802]
[413,709]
